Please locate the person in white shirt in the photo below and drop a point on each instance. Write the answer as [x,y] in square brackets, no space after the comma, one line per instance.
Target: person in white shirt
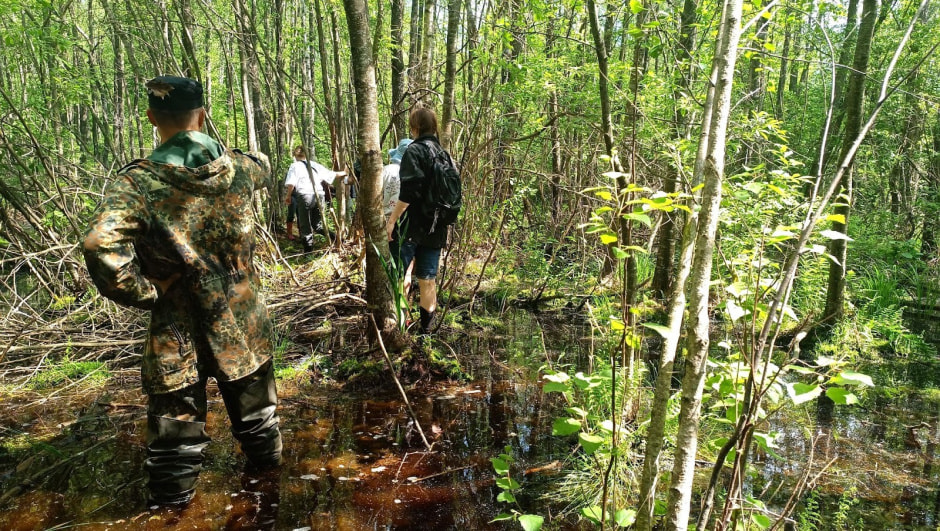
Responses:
[307,185]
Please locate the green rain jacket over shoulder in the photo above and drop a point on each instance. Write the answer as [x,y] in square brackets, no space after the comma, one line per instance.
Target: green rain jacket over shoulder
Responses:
[163,220]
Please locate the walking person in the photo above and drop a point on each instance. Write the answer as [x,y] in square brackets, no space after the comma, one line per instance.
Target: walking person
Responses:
[174,234]
[307,185]
[423,233]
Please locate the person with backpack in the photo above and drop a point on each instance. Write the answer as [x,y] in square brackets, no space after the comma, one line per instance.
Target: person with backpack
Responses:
[428,203]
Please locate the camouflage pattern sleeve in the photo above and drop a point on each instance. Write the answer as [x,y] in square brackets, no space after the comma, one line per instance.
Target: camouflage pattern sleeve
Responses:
[260,175]
[109,245]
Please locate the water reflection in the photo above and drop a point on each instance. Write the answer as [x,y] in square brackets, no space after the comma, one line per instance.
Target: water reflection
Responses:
[350,461]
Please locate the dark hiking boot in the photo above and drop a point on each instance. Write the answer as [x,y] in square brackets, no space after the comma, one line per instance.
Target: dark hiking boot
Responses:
[426,319]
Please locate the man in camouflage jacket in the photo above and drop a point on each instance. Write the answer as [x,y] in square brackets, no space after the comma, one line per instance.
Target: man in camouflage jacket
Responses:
[174,234]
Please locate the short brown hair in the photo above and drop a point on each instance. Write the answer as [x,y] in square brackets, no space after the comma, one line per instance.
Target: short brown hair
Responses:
[300,151]
[424,121]
[177,119]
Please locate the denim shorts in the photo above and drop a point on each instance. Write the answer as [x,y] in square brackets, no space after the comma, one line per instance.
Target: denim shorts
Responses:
[427,259]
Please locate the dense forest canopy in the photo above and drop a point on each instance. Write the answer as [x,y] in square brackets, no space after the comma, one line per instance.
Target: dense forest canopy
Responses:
[591,136]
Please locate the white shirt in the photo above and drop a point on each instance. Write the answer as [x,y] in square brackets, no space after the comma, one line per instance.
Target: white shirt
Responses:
[391,187]
[297,177]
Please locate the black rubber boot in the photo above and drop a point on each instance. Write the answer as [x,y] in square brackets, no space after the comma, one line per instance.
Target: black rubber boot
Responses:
[426,318]
[252,407]
[174,459]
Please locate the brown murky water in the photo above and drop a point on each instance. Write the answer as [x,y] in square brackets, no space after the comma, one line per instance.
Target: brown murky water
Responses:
[353,461]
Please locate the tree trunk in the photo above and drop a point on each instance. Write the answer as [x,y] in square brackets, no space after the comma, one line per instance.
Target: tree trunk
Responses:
[378,288]
[854,103]
[666,245]
[399,79]
[447,116]
[680,491]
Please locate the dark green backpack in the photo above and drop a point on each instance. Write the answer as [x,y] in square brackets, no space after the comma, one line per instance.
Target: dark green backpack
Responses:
[444,197]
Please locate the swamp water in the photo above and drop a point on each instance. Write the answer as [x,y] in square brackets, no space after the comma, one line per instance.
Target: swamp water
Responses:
[353,460]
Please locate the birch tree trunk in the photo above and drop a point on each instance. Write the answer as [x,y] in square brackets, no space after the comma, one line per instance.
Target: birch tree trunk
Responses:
[378,288]
[680,491]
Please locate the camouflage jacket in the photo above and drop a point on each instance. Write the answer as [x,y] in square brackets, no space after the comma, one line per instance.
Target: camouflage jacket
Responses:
[162,221]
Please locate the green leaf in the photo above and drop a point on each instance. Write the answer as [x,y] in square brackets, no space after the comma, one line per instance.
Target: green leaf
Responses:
[592,513]
[625,517]
[564,427]
[641,218]
[501,467]
[841,396]
[506,496]
[507,484]
[636,6]
[761,520]
[607,239]
[604,194]
[800,392]
[838,218]
[852,378]
[765,440]
[531,522]
[590,442]
[555,387]
[658,328]
[833,235]
[559,377]
[735,311]
[619,253]
[502,517]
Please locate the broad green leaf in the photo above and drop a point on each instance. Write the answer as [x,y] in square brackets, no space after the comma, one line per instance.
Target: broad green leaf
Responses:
[800,392]
[619,253]
[616,325]
[838,218]
[555,387]
[507,484]
[833,235]
[506,496]
[604,194]
[641,218]
[559,377]
[592,513]
[607,239]
[636,6]
[735,311]
[853,378]
[766,440]
[841,396]
[625,517]
[590,442]
[576,411]
[824,361]
[563,427]
[800,369]
[762,521]
[501,467]
[658,328]
[502,517]
[531,522]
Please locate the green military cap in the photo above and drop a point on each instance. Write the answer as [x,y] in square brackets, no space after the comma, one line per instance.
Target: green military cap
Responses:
[171,93]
